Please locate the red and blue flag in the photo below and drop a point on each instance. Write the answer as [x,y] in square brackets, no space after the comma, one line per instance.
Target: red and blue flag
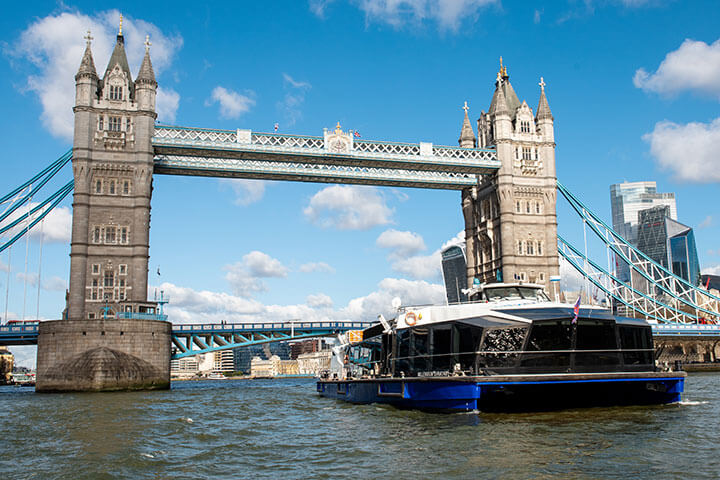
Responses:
[576,310]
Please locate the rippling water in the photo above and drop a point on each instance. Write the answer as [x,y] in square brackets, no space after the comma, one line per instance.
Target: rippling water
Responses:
[265,429]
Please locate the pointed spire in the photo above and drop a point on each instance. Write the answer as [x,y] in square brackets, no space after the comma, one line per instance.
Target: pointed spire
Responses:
[87,65]
[146,73]
[499,102]
[543,109]
[119,57]
[467,135]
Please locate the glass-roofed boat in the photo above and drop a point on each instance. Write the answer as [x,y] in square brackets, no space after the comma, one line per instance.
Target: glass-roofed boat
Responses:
[508,349]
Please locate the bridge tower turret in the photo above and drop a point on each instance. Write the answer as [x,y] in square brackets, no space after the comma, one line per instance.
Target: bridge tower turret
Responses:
[109,326]
[510,218]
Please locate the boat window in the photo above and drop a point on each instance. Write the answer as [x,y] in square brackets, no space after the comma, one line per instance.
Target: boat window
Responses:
[403,351]
[466,340]
[502,293]
[419,349]
[533,294]
[554,335]
[636,338]
[441,348]
[504,339]
[595,335]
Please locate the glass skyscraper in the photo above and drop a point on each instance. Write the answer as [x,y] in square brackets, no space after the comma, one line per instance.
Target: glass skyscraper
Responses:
[669,243]
[454,269]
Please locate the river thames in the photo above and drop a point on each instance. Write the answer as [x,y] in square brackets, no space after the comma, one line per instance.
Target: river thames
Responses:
[267,429]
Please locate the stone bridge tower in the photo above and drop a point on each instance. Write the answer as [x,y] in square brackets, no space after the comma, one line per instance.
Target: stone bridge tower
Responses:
[510,218]
[108,326]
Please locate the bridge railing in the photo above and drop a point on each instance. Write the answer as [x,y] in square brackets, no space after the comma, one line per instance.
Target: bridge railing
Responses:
[267,326]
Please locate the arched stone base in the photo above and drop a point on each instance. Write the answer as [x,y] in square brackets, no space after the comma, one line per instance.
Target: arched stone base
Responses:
[103,355]
[687,349]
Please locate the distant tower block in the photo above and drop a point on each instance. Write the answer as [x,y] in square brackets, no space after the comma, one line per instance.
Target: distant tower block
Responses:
[510,218]
[110,337]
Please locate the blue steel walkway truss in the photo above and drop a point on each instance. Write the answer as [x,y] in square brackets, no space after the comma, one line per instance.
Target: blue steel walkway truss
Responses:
[189,340]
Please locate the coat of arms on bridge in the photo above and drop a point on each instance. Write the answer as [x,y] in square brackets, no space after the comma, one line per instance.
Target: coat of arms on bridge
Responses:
[337,141]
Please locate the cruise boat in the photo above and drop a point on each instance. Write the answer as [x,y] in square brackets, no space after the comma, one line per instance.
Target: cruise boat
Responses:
[509,349]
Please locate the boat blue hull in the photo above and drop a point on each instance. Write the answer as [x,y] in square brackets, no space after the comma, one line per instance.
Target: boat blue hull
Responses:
[522,394]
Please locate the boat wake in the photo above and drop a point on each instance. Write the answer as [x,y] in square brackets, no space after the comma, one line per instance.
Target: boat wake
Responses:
[691,402]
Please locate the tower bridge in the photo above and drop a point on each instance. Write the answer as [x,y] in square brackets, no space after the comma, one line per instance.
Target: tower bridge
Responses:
[505,173]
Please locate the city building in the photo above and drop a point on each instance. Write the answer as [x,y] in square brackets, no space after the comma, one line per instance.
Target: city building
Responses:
[669,243]
[6,364]
[305,346]
[243,355]
[224,361]
[629,198]
[314,363]
[711,281]
[186,367]
[454,268]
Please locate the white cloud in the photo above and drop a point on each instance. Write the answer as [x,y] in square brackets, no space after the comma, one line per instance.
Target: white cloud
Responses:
[402,244]
[245,277]
[190,306]
[447,14]
[410,292]
[232,104]
[319,301]
[54,45]
[167,103]
[55,228]
[246,191]
[318,7]
[689,151]
[316,267]
[55,284]
[31,278]
[348,208]
[570,279]
[694,66]
[536,16]
[707,222]
[422,266]
[4,267]
[712,270]
[293,99]
[25,356]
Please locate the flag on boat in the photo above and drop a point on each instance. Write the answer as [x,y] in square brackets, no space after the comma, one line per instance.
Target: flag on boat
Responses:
[707,286]
[356,133]
[277,125]
[576,310]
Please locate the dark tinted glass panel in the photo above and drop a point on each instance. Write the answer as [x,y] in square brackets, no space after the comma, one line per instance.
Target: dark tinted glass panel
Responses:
[466,340]
[403,351]
[500,340]
[555,335]
[441,348]
[420,349]
[595,335]
[633,340]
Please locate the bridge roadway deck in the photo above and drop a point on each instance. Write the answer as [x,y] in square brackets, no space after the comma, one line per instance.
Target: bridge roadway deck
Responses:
[245,154]
[192,339]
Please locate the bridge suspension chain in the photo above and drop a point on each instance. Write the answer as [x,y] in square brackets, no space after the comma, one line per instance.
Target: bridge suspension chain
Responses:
[661,295]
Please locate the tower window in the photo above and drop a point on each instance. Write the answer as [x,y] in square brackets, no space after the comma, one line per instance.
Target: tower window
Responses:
[537,207]
[530,248]
[539,248]
[527,207]
[520,249]
[115,124]
[98,186]
[96,268]
[116,92]
[517,207]
[100,123]
[526,153]
[126,187]
[109,234]
[525,126]
[96,235]
[122,269]
[127,125]
[109,279]
[123,235]
[112,187]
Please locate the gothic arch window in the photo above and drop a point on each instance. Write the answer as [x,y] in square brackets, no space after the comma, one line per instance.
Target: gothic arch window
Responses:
[537,207]
[98,186]
[115,124]
[111,187]
[518,208]
[527,207]
[116,92]
[126,187]
[539,248]
[530,247]
[100,122]
[520,247]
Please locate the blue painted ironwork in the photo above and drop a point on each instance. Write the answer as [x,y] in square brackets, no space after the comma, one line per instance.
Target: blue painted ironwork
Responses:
[19,333]
[141,316]
[245,154]
[684,329]
[189,340]
[665,297]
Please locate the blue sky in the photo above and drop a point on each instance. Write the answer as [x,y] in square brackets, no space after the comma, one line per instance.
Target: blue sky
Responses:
[634,87]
